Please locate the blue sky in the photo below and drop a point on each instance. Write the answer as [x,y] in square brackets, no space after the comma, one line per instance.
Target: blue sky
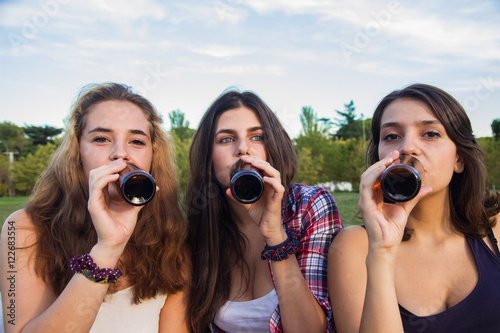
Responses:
[293,53]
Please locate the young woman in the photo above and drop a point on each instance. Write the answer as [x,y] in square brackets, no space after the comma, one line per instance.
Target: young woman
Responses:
[86,260]
[257,267]
[430,264]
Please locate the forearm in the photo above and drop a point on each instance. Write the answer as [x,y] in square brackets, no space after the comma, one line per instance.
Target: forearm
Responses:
[300,311]
[76,308]
[381,311]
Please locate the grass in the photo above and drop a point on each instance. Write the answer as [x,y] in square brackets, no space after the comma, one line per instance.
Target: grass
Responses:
[347,203]
[9,205]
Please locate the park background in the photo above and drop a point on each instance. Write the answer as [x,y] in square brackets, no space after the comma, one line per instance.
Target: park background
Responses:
[322,66]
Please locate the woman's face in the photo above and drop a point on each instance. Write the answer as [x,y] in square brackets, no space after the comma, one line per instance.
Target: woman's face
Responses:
[238,132]
[409,126]
[116,129]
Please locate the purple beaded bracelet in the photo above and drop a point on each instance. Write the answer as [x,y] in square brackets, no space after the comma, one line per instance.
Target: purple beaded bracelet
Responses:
[283,250]
[85,264]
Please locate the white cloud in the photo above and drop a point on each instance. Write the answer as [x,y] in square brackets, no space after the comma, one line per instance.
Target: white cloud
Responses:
[220,51]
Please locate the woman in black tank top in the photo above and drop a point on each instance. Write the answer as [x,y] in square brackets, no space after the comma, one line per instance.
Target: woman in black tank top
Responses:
[425,265]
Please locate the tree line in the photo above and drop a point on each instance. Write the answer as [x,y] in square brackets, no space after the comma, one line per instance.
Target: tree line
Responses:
[328,150]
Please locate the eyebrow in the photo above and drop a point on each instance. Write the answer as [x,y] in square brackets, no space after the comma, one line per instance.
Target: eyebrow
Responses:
[108,130]
[230,131]
[420,123]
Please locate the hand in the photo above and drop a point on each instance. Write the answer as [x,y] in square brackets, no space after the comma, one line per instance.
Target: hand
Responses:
[267,211]
[114,219]
[385,223]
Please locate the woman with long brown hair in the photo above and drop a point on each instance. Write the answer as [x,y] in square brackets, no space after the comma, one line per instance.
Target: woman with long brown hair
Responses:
[430,264]
[258,266]
[85,259]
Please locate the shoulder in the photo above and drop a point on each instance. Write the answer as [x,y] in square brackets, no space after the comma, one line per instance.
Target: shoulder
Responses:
[20,225]
[351,238]
[303,194]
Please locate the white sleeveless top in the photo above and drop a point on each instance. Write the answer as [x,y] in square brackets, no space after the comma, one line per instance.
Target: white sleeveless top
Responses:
[119,314]
[250,316]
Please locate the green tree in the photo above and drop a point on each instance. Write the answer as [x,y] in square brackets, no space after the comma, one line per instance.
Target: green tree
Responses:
[28,168]
[313,142]
[4,175]
[182,159]
[42,135]
[495,128]
[309,167]
[11,137]
[350,126]
[491,149]
[179,125]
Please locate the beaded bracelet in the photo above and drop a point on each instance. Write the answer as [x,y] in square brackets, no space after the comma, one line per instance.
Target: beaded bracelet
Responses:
[85,264]
[283,250]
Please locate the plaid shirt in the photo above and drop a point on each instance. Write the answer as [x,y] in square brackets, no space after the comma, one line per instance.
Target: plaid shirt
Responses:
[312,213]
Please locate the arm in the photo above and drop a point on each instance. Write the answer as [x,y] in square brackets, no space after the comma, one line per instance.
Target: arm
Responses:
[363,264]
[173,315]
[316,211]
[38,309]
[347,277]
[300,310]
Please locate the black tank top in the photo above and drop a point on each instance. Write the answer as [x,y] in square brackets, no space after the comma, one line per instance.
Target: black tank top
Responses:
[478,312]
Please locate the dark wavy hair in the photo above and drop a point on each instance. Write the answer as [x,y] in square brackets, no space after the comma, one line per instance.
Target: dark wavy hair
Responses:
[472,206]
[215,242]
[156,257]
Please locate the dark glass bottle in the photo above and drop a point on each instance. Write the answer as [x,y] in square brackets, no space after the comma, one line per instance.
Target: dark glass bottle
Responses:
[247,186]
[401,182]
[137,187]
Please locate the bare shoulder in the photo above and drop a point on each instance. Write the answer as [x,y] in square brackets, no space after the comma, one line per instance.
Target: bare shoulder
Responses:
[19,224]
[353,237]
[496,228]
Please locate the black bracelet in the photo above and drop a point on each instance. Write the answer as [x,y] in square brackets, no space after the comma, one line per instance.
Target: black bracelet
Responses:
[85,264]
[283,250]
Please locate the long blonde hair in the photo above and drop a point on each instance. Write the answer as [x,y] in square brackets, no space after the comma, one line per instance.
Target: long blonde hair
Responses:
[156,260]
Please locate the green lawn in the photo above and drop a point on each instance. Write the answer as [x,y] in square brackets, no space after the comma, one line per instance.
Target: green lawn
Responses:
[347,203]
[10,205]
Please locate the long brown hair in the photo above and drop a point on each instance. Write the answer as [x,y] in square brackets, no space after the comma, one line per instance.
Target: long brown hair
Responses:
[216,244]
[472,206]
[58,207]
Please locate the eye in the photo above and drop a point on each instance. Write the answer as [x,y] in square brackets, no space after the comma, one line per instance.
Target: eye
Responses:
[100,139]
[432,134]
[389,137]
[258,137]
[226,140]
[138,142]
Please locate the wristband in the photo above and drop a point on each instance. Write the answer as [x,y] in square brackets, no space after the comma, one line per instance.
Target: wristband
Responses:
[85,265]
[283,250]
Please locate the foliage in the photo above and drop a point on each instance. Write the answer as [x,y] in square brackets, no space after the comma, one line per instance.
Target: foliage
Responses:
[11,137]
[4,175]
[182,159]
[495,128]
[310,167]
[349,126]
[42,135]
[28,168]
[491,148]
[180,126]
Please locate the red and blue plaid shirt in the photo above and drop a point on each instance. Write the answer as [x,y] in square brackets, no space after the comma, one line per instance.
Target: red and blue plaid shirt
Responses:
[312,213]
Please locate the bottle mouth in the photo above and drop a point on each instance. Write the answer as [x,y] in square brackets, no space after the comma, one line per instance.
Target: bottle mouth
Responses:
[137,187]
[400,182]
[247,186]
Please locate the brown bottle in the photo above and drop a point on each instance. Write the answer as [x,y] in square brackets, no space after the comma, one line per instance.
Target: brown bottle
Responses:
[401,182]
[247,186]
[137,186]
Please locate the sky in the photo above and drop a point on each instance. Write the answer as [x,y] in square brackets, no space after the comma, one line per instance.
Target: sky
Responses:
[181,55]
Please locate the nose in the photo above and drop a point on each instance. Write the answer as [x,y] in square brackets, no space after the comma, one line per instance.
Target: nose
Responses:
[119,151]
[409,146]
[243,148]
